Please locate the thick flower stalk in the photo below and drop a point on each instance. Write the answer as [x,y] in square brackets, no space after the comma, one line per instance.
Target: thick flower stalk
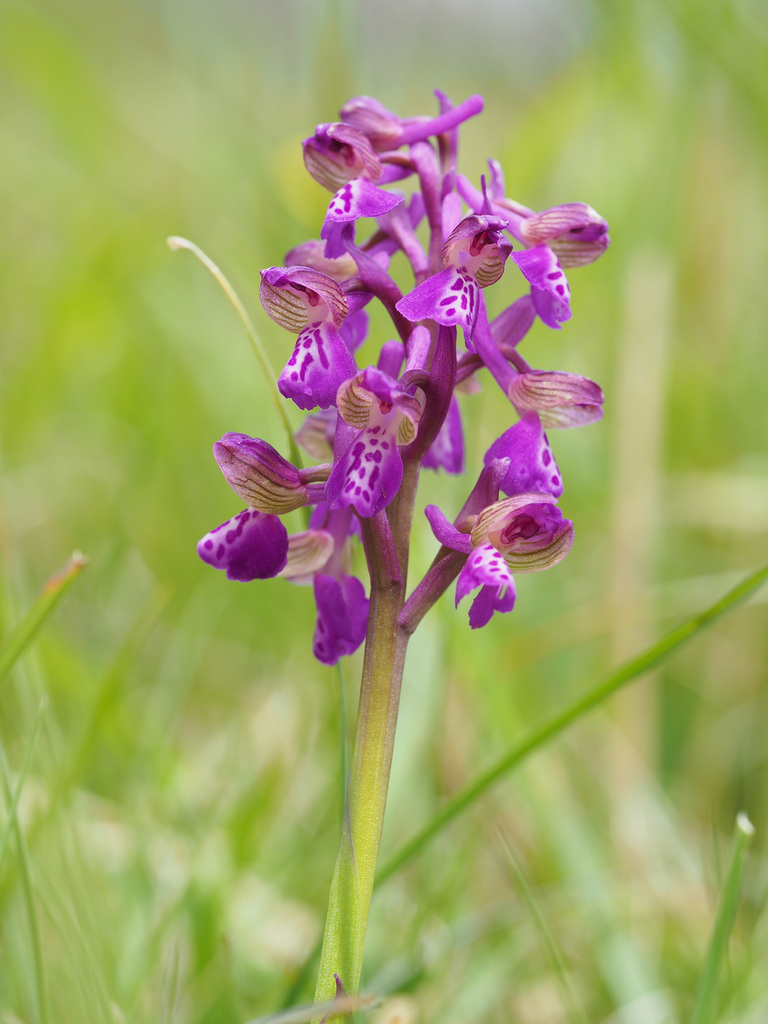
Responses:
[371,428]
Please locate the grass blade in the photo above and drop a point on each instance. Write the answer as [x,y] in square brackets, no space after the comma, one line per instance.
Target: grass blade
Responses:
[27,893]
[16,796]
[574,1011]
[175,243]
[706,991]
[24,633]
[558,723]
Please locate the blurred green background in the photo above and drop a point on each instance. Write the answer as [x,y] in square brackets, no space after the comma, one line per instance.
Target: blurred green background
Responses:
[182,806]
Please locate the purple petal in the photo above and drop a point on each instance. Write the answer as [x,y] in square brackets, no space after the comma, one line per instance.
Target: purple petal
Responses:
[488,601]
[342,617]
[446,532]
[512,324]
[373,119]
[251,546]
[541,269]
[318,365]
[532,466]
[369,475]
[359,198]
[486,568]
[354,330]
[549,309]
[447,450]
[449,298]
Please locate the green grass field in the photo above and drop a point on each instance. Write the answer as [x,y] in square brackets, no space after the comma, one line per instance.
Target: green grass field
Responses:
[180,790]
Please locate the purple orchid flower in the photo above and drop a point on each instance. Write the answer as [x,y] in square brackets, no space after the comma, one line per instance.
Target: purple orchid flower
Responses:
[568,235]
[342,159]
[525,533]
[474,255]
[365,426]
[313,306]
[368,476]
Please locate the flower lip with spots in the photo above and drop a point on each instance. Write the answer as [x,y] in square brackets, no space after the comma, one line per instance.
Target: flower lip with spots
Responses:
[473,256]
[387,417]
[308,302]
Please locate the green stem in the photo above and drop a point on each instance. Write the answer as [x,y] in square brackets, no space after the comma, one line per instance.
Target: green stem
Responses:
[353,877]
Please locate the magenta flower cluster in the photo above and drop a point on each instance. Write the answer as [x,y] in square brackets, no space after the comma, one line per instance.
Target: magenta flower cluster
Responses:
[369,425]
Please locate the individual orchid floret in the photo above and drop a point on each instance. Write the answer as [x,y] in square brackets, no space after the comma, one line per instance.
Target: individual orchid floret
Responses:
[369,474]
[524,533]
[530,464]
[250,546]
[473,255]
[263,478]
[341,159]
[576,232]
[560,399]
[313,306]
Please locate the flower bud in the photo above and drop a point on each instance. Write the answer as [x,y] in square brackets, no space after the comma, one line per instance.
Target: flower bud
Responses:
[294,297]
[561,399]
[528,530]
[260,475]
[337,153]
[576,232]
[372,118]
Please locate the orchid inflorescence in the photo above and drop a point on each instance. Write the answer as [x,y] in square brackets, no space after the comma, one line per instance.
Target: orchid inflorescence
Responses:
[371,428]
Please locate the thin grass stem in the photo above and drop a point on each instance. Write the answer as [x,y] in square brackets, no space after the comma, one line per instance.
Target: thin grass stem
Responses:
[25,631]
[706,991]
[28,896]
[174,243]
[23,771]
[575,1013]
